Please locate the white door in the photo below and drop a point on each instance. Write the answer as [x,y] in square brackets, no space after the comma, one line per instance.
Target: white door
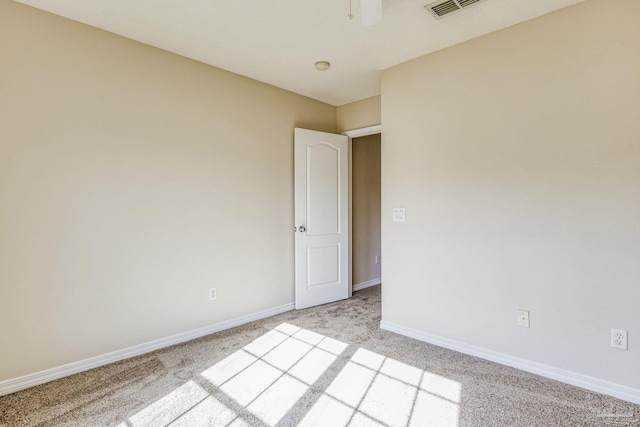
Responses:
[321,217]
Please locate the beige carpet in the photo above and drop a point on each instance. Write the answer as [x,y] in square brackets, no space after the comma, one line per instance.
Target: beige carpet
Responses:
[325,366]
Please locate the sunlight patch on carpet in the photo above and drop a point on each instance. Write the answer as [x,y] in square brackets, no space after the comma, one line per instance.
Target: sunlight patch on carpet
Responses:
[268,377]
[375,390]
[170,407]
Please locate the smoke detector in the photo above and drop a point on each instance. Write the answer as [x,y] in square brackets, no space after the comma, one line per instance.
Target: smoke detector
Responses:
[443,8]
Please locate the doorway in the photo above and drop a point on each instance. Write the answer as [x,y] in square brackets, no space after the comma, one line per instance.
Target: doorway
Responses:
[319,273]
[366,261]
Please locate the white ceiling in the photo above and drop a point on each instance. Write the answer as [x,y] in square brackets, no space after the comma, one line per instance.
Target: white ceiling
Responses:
[278,41]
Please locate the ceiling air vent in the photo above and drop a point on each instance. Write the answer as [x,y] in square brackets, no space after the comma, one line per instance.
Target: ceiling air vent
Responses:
[442,8]
[465,3]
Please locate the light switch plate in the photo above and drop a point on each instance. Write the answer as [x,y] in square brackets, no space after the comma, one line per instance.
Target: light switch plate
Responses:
[398,215]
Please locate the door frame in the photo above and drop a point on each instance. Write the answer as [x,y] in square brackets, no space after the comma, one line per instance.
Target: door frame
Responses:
[355,133]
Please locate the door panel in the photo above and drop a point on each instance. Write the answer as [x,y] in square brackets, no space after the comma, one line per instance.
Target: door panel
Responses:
[323,190]
[323,265]
[321,215]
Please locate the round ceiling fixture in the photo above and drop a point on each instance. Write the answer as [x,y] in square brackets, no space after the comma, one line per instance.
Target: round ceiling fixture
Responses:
[323,65]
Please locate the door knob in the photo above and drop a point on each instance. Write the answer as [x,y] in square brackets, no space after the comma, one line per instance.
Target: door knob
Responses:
[302,229]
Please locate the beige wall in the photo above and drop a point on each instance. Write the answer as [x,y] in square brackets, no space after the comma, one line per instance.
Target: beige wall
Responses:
[359,114]
[131,181]
[366,208]
[517,157]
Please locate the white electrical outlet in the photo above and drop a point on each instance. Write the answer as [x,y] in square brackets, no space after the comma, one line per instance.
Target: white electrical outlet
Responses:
[212,293]
[377,259]
[523,318]
[619,339]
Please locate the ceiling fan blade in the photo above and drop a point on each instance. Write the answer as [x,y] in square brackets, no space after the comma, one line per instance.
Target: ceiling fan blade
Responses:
[371,11]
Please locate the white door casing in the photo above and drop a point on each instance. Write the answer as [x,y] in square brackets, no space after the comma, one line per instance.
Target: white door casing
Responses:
[321,217]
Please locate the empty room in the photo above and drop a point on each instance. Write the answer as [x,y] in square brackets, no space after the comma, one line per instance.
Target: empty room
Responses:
[312,212]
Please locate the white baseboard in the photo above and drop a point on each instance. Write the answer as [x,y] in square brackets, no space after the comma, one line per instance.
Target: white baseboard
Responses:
[17,384]
[579,380]
[367,284]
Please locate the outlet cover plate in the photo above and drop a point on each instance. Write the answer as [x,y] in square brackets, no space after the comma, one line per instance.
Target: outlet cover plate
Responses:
[212,294]
[523,318]
[619,339]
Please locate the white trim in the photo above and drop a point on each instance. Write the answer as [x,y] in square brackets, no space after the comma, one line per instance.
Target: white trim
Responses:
[367,284]
[350,213]
[369,130]
[30,380]
[584,381]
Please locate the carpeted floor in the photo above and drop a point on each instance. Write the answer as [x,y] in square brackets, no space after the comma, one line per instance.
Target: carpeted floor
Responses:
[328,366]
